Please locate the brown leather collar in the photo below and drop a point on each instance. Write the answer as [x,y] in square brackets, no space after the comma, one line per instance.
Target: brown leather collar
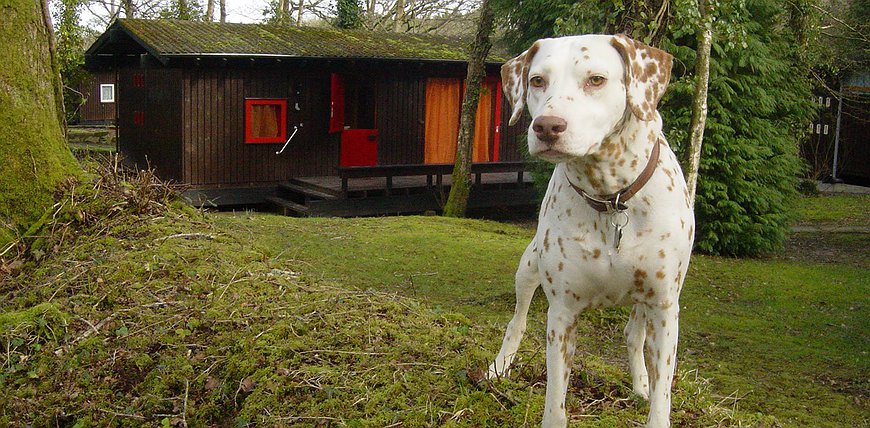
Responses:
[616,201]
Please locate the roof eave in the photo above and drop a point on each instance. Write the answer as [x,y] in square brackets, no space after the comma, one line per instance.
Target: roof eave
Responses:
[148,48]
[188,55]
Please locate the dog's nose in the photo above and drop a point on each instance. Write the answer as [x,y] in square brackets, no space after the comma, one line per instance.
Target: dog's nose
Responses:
[548,128]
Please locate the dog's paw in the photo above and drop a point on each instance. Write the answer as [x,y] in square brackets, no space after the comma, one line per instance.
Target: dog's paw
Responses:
[494,372]
[642,389]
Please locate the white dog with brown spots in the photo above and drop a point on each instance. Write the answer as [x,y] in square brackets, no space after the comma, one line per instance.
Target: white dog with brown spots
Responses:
[615,227]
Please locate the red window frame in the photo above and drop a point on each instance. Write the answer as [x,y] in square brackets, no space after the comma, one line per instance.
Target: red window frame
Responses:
[282,125]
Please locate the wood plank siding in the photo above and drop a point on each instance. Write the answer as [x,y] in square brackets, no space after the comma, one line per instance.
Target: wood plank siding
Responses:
[93,111]
[215,152]
[149,132]
[401,112]
[512,145]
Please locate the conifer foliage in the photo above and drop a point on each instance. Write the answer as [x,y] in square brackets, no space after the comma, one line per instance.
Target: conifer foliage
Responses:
[759,104]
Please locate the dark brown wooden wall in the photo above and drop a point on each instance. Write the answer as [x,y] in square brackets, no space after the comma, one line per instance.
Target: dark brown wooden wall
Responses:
[215,152]
[512,146]
[94,111]
[155,140]
[401,113]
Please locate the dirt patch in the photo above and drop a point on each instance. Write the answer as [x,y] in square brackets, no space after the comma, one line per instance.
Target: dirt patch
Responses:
[828,247]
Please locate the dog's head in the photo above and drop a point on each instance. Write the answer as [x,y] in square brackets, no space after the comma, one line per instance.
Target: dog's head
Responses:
[579,89]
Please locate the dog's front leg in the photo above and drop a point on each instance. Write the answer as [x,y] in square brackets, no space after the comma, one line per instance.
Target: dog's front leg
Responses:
[526,283]
[560,355]
[661,353]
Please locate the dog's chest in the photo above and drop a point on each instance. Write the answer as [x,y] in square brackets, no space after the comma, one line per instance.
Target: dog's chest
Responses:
[577,247]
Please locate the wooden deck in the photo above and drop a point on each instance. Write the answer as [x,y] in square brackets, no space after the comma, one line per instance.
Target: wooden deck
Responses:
[402,189]
[406,183]
[381,190]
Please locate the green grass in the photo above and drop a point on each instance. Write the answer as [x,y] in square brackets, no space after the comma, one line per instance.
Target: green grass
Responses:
[844,210]
[465,265]
[142,316]
[793,337]
[237,319]
[780,335]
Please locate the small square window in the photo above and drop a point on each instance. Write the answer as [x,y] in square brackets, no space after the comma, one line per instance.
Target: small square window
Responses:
[107,93]
[265,121]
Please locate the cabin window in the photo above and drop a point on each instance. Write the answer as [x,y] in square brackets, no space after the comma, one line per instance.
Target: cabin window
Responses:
[352,104]
[359,105]
[107,93]
[265,121]
[443,105]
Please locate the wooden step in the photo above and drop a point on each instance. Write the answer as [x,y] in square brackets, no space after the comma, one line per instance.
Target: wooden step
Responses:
[289,207]
[309,185]
[307,190]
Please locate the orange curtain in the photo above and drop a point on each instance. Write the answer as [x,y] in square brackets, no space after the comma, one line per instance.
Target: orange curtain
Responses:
[442,120]
[443,103]
[265,120]
[483,125]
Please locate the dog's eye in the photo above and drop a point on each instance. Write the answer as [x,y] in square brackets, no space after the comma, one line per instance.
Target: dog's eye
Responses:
[537,81]
[596,80]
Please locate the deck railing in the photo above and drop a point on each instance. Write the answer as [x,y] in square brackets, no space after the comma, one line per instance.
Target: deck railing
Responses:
[434,172]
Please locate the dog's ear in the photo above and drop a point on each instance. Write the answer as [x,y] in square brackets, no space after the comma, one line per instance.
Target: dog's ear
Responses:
[647,73]
[515,81]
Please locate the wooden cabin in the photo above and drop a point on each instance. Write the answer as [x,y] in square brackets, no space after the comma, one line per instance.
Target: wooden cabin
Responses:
[315,120]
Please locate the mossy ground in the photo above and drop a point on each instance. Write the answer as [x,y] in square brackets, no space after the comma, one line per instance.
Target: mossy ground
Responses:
[153,315]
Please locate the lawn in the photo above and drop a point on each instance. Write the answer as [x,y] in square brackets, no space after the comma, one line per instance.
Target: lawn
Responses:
[172,317]
[781,337]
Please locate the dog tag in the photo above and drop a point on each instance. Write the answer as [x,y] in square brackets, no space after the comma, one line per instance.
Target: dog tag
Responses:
[618,220]
[617,236]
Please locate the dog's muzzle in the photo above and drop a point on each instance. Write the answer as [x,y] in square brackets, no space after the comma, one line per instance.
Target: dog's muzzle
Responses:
[548,129]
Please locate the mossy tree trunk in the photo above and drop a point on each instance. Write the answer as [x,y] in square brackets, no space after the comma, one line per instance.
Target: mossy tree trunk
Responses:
[33,155]
[461,187]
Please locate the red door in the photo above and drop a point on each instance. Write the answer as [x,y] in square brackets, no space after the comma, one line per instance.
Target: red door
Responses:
[359,147]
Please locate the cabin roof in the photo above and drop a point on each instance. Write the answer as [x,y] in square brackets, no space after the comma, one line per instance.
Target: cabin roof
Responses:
[170,38]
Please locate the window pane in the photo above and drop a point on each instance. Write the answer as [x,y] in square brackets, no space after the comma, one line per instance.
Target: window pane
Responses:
[107,93]
[265,121]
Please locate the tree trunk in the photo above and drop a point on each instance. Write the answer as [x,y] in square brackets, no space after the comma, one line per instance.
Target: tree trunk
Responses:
[299,13]
[284,11]
[223,4]
[127,5]
[699,104]
[33,155]
[400,15]
[370,9]
[461,187]
[209,11]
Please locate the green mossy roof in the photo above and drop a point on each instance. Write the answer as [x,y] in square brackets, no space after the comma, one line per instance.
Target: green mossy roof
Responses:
[168,38]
